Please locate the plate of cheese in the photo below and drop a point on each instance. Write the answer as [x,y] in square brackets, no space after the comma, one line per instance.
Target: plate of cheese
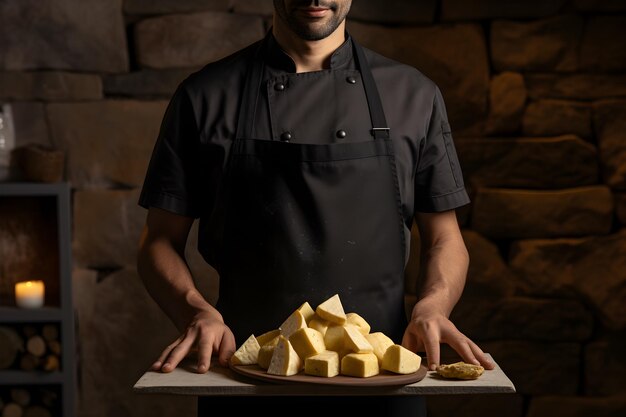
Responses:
[327,346]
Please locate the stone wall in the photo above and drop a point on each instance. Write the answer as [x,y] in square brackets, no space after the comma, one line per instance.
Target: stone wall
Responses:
[536,93]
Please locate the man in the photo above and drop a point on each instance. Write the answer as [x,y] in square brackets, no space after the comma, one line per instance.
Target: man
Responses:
[306,159]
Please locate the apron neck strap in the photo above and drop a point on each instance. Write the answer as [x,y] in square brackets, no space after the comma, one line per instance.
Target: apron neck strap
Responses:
[380,129]
[254,80]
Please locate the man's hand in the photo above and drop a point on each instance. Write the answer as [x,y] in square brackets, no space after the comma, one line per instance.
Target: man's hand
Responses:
[207,334]
[429,327]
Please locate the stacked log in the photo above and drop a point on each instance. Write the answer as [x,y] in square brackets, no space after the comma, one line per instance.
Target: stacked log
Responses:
[30,347]
[22,402]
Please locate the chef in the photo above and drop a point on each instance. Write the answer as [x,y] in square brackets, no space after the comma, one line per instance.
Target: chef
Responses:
[306,158]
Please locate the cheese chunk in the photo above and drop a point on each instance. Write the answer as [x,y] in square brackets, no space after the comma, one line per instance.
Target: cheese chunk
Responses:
[334,338]
[266,337]
[325,364]
[285,361]
[358,322]
[318,324]
[355,341]
[380,342]
[294,322]
[332,310]
[266,352]
[400,360]
[362,365]
[307,311]
[248,353]
[307,342]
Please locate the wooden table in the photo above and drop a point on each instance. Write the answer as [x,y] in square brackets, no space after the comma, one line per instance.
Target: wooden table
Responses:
[221,381]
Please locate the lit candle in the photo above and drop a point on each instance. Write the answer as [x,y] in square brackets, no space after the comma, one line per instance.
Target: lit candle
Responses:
[29,294]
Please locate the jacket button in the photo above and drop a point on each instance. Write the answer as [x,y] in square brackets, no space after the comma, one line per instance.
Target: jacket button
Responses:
[285,136]
[341,134]
[351,80]
[279,87]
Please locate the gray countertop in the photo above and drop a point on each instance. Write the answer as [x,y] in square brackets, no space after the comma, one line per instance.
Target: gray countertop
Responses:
[222,381]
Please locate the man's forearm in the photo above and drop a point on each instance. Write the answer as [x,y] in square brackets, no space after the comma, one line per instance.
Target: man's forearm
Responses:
[168,280]
[445,268]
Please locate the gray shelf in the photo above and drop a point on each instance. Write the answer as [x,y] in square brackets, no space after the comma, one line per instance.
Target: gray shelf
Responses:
[39,315]
[13,377]
[64,314]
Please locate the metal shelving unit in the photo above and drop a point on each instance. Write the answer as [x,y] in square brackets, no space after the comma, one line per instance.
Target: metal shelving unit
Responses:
[62,314]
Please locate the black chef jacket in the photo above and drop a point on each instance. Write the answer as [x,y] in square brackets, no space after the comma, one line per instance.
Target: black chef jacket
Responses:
[329,106]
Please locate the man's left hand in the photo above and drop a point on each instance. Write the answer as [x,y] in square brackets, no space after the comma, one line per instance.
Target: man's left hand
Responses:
[429,327]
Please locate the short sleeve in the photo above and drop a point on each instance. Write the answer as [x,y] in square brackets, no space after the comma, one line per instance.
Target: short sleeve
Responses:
[173,179]
[438,180]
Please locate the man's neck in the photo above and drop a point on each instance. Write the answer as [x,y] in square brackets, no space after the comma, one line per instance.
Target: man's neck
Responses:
[308,55]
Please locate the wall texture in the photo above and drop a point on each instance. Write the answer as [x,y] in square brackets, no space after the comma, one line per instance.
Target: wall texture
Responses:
[536,93]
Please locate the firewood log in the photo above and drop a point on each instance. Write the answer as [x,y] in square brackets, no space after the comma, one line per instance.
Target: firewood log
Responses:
[48,397]
[50,332]
[29,362]
[12,410]
[20,396]
[36,345]
[10,344]
[51,363]
[55,347]
[36,411]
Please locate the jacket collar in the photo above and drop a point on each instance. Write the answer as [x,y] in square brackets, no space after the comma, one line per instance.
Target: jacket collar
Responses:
[278,58]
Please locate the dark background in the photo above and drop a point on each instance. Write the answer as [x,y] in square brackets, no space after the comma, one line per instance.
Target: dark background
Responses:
[536,93]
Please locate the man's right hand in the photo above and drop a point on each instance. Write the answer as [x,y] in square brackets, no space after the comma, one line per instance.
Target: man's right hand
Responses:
[206,333]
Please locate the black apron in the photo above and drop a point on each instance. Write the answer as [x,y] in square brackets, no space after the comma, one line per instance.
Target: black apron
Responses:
[302,222]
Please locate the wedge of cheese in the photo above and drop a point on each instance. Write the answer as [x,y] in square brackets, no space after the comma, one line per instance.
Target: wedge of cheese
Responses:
[318,324]
[248,353]
[266,352]
[400,360]
[285,361]
[361,365]
[355,341]
[359,322]
[266,337]
[307,311]
[325,364]
[332,310]
[307,342]
[380,342]
[294,322]
[334,337]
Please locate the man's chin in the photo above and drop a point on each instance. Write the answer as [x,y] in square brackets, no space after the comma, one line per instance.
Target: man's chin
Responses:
[313,32]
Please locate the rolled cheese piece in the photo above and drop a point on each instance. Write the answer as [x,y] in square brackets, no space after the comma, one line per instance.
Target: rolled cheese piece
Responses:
[400,360]
[325,364]
[355,341]
[380,342]
[332,310]
[266,337]
[307,342]
[294,322]
[248,353]
[285,361]
[460,370]
[361,365]
[358,322]
[307,311]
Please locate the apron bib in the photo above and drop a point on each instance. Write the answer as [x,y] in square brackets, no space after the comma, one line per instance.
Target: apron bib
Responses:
[301,222]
